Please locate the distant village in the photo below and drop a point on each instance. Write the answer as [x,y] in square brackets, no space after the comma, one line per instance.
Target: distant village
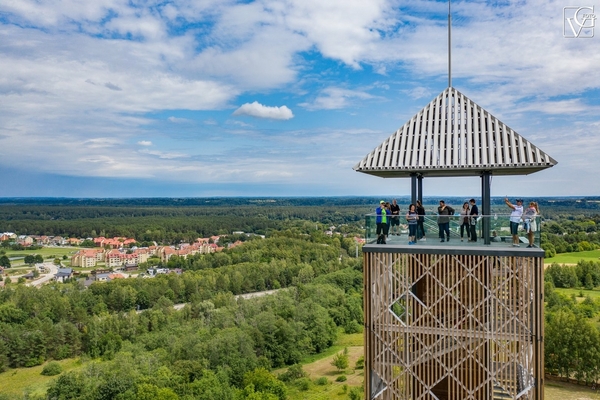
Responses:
[113,255]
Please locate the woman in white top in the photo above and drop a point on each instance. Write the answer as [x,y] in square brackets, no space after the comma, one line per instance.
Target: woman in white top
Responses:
[515,219]
[529,221]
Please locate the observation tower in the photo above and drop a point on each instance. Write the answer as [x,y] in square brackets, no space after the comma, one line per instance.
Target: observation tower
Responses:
[450,321]
[454,321]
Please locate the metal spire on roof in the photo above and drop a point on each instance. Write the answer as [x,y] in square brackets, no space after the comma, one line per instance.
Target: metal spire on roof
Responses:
[449,46]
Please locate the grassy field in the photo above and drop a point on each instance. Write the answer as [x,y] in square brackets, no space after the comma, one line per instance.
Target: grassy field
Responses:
[594,294]
[48,253]
[24,381]
[573,258]
[557,390]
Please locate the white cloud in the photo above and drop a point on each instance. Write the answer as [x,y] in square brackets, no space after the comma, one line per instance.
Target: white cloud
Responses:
[333,98]
[258,110]
[100,79]
[177,120]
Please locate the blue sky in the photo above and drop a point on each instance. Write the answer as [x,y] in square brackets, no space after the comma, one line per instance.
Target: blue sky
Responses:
[129,98]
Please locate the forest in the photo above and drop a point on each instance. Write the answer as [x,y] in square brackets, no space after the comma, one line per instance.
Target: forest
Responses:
[220,346]
[216,344]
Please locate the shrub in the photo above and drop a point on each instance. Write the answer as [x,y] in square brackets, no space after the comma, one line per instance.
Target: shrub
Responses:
[355,394]
[294,372]
[322,381]
[341,378]
[51,369]
[360,363]
[353,327]
[303,384]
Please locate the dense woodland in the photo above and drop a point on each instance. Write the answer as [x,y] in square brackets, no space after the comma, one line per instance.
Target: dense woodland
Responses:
[215,345]
[572,327]
[222,347]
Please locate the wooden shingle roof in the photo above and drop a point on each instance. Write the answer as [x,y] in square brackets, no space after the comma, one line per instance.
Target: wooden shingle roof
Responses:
[453,136]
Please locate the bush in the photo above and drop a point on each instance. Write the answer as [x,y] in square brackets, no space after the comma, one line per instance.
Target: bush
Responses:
[322,381]
[353,327]
[341,378]
[355,394]
[360,363]
[294,372]
[303,384]
[51,369]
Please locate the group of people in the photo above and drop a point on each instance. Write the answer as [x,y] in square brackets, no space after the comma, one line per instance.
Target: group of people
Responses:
[388,216]
[527,216]
[468,220]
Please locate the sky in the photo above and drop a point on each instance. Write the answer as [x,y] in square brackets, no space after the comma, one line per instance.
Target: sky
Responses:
[131,98]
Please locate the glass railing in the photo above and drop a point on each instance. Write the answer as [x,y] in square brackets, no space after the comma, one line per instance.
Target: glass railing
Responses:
[459,230]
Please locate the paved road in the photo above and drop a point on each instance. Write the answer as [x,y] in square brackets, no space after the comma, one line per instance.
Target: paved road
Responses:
[43,278]
[243,296]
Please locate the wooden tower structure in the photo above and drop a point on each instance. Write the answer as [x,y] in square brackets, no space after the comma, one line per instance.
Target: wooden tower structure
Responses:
[453,322]
[447,324]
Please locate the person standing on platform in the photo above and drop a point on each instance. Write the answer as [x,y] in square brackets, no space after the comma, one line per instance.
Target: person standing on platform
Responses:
[529,221]
[464,221]
[395,209]
[421,221]
[515,219]
[389,219]
[473,222]
[444,213]
[411,218]
[381,221]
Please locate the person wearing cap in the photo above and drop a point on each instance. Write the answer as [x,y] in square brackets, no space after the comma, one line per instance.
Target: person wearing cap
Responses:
[515,219]
[381,221]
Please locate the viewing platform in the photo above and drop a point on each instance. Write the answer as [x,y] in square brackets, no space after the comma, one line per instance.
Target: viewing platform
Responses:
[500,235]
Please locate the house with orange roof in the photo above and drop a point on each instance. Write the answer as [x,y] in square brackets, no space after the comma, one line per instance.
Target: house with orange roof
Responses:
[235,244]
[166,252]
[87,258]
[74,241]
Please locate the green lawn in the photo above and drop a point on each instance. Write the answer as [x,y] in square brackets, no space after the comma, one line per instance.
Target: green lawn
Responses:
[48,253]
[568,292]
[21,381]
[573,258]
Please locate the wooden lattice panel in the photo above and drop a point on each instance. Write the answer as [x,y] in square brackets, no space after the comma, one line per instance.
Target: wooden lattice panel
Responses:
[453,326]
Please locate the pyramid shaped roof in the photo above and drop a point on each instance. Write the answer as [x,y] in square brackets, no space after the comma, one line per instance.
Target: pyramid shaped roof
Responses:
[453,136]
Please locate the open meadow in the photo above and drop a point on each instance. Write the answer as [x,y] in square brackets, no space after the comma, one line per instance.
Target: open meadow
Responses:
[573,258]
[320,383]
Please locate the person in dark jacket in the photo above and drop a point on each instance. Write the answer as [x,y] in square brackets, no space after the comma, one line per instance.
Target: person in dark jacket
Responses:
[474,214]
[420,221]
[444,213]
